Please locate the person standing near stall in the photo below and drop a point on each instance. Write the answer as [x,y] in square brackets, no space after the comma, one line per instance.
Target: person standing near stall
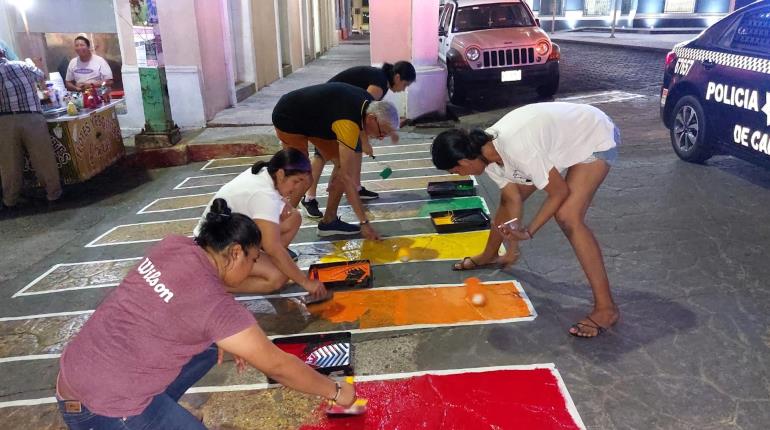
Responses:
[159,332]
[87,68]
[376,81]
[22,125]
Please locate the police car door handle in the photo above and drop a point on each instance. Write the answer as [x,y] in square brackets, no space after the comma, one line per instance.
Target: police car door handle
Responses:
[708,64]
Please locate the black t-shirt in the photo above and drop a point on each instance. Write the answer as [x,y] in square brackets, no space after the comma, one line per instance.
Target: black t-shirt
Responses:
[362,77]
[333,111]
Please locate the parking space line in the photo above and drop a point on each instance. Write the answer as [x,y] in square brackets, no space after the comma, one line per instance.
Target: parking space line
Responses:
[411,307]
[101,273]
[554,404]
[192,201]
[153,231]
[424,247]
[220,179]
[398,149]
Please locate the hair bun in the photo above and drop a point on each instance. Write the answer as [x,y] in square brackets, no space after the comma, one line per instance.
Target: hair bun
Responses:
[219,211]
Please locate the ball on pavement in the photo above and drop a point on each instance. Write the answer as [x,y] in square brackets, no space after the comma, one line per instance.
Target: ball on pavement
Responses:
[479,299]
[403,254]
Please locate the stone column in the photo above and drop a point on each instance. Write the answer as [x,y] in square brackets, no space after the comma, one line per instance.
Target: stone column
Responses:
[408,30]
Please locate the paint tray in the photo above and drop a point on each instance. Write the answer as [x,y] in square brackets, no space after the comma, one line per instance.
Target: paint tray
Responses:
[459,220]
[329,353]
[343,274]
[451,189]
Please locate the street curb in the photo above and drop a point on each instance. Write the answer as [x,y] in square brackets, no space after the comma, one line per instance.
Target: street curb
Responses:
[186,153]
[629,47]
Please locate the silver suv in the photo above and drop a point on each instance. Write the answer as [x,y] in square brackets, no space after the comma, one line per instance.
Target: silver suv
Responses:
[488,44]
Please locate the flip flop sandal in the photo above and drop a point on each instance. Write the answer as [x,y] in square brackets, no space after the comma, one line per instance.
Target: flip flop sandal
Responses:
[599,329]
[460,267]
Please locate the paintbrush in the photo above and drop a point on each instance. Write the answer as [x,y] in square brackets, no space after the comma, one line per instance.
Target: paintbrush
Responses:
[386,172]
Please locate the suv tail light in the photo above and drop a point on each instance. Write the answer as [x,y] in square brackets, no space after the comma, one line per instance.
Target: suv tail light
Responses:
[670,57]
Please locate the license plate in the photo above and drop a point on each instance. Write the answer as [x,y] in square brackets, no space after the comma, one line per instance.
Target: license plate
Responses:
[510,75]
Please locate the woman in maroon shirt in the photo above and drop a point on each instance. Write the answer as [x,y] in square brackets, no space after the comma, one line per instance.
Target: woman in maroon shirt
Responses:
[157,334]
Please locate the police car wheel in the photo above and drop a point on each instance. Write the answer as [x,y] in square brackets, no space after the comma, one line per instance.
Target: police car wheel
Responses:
[456,94]
[688,131]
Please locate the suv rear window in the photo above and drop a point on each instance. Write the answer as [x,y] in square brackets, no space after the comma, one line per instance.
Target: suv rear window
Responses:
[753,32]
[498,15]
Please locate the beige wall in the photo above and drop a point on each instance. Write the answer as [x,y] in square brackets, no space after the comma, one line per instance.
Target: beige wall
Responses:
[125,33]
[179,33]
[295,30]
[264,29]
[212,53]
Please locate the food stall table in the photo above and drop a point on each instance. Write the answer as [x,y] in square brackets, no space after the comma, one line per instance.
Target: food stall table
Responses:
[84,144]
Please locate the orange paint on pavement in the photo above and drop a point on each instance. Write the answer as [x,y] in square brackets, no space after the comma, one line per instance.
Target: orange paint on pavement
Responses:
[425,305]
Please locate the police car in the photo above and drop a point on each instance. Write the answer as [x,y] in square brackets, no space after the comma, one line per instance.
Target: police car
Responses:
[716,89]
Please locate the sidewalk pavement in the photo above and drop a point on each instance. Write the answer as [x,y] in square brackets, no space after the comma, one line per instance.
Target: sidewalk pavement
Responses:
[257,110]
[656,42]
[247,129]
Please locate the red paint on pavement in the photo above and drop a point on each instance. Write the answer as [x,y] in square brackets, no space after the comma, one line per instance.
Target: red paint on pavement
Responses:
[503,399]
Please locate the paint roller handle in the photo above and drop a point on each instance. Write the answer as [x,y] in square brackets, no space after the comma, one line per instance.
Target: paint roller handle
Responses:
[315,287]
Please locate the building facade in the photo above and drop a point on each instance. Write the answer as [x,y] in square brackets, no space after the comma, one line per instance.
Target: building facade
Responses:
[215,52]
[571,14]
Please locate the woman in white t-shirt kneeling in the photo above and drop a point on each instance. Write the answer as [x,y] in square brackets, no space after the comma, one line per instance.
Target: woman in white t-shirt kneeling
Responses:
[261,193]
[526,150]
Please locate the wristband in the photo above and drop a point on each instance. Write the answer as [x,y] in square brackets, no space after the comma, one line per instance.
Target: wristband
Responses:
[339,390]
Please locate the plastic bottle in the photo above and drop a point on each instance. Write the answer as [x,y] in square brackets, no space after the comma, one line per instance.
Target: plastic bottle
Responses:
[72,109]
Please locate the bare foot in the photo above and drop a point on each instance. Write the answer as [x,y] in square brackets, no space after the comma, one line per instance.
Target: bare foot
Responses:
[596,323]
[509,259]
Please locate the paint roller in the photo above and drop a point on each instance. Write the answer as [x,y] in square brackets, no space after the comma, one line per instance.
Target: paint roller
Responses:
[386,172]
[358,407]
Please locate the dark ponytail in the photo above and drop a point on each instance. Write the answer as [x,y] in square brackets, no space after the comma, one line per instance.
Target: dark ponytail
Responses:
[223,228]
[403,69]
[451,146]
[292,161]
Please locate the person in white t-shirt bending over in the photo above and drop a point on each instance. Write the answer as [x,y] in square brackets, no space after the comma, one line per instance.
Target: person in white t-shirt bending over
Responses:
[261,193]
[87,68]
[526,150]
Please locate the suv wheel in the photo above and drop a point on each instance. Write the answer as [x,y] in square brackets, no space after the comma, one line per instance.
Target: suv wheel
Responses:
[688,131]
[454,89]
[550,88]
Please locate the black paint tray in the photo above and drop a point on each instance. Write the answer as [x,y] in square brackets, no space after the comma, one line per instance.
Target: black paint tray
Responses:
[343,274]
[451,189]
[329,353]
[460,220]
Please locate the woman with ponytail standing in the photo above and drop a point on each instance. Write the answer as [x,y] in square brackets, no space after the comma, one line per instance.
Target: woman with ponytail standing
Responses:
[157,334]
[261,193]
[527,150]
[376,81]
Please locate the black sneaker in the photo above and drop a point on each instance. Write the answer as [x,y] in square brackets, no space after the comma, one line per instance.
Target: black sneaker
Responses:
[367,195]
[337,226]
[294,256]
[311,208]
